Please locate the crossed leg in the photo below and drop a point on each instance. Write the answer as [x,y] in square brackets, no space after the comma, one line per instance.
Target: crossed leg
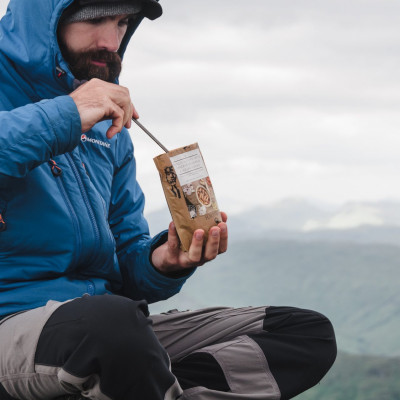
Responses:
[106,348]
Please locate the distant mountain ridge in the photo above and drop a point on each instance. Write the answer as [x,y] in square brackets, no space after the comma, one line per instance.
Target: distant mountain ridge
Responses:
[298,219]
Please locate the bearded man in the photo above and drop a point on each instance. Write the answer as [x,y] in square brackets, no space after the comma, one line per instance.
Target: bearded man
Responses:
[77,263]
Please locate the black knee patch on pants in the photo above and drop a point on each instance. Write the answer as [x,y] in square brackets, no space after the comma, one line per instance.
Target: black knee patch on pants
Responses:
[112,337]
[299,345]
[200,369]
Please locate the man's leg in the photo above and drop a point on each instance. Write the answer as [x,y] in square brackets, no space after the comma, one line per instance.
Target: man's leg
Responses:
[250,353]
[102,347]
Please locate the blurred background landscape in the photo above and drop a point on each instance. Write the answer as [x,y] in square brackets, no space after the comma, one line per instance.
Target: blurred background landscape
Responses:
[295,105]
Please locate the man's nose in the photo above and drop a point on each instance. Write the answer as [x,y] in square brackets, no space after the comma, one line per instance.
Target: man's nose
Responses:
[109,38]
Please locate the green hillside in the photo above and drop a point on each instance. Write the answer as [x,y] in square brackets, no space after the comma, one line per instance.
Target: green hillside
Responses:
[355,377]
[355,285]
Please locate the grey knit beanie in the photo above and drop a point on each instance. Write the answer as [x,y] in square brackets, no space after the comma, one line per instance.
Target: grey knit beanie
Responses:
[83,10]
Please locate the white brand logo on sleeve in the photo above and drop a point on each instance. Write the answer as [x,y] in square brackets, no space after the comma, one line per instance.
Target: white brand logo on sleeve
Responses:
[84,139]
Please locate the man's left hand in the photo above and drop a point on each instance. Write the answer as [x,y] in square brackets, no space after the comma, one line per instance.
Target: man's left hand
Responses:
[169,258]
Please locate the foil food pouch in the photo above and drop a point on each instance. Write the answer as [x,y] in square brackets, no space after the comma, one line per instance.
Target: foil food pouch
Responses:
[188,191]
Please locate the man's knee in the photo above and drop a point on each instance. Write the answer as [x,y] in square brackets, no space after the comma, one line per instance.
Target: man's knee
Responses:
[299,345]
[108,326]
[310,329]
[105,343]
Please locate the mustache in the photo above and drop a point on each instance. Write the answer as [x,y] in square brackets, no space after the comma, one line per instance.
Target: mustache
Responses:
[83,68]
[98,55]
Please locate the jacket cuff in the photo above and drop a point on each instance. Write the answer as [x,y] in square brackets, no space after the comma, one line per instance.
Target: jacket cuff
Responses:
[65,121]
[169,285]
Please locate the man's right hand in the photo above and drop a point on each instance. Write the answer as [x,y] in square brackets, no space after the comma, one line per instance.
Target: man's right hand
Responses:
[98,100]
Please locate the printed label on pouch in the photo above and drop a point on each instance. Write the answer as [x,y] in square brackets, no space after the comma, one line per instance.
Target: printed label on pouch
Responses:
[189,166]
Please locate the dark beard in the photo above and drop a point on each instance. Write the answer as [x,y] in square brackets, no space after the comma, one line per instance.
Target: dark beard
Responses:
[82,68]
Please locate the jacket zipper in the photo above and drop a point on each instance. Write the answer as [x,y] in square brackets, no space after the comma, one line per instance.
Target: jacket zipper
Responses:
[86,200]
[110,234]
[57,172]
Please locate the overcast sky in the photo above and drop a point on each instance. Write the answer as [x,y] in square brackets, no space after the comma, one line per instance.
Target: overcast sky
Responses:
[286,98]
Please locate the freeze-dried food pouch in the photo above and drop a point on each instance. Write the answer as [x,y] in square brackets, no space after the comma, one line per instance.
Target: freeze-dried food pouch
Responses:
[188,191]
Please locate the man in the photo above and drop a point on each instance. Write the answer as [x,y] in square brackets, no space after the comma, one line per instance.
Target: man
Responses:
[77,264]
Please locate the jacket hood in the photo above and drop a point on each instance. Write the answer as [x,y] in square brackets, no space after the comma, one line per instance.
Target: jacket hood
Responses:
[28,40]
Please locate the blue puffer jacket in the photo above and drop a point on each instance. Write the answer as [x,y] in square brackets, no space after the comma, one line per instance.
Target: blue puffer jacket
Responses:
[81,231]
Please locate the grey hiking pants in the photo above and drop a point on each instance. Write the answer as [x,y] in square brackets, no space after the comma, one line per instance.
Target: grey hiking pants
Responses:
[108,348]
